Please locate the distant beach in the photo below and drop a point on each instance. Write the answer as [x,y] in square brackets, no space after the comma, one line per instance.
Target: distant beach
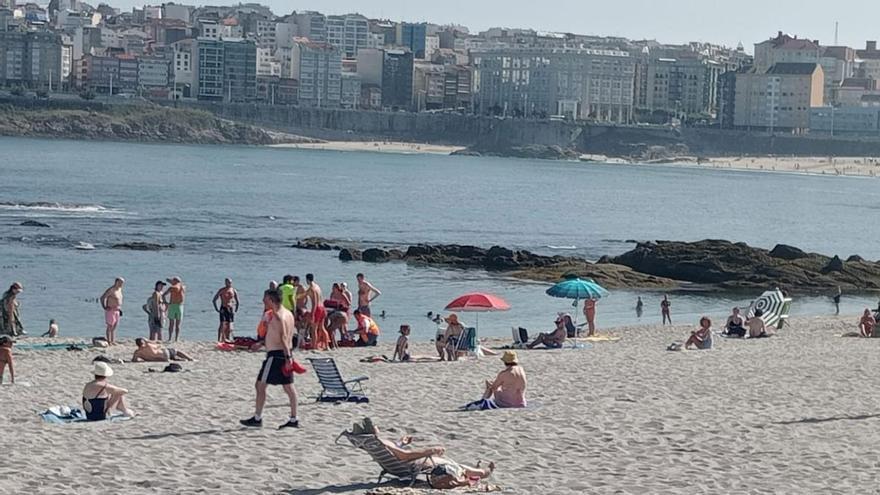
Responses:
[376,146]
[791,414]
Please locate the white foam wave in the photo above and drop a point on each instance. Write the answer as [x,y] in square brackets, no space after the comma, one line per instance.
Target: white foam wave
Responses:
[57,207]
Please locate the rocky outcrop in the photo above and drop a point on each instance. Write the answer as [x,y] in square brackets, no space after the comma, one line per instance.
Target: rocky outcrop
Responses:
[315,244]
[34,223]
[737,265]
[532,151]
[515,263]
[142,246]
[146,123]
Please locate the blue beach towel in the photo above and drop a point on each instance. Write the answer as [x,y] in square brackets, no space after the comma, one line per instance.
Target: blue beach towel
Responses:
[480,405]
[63,415]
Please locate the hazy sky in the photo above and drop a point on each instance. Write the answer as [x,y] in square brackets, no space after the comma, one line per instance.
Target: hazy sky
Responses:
[670,21]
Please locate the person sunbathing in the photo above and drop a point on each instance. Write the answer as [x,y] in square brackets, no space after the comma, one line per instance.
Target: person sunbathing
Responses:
[509,387]
[99,397]
[735,326]
[867,324]
[702,338]
[401,349]
[552,340]
[151,352]
[757,327]
[445,473]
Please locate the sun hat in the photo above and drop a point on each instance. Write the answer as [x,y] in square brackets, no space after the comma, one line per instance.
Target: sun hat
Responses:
[102,369]
[509,357]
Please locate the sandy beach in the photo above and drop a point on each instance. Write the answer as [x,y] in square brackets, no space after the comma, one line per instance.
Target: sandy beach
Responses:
[853,166]
[376,146]
[792,414]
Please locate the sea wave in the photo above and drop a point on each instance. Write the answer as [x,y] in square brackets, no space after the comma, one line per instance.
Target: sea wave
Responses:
[561,248]
[53,206]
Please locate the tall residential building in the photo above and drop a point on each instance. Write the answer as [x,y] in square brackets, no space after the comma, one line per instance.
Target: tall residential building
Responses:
[413,36]
[226,70]
[350,95]
[318,68]
[107,75]
[349,33]
[580,83]
[311,25]
[869,61]
[838,63]
[687,84]
[397,79]
[183,70]
[780,98]
[154,72]
[30,59]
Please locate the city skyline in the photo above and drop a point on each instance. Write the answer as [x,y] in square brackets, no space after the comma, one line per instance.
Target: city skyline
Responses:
[652,20]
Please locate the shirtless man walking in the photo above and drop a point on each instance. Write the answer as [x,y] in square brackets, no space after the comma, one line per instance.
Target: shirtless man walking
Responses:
[111,301]
[365,294]
[276,369]
[175,297]
[317,328]
[228,297]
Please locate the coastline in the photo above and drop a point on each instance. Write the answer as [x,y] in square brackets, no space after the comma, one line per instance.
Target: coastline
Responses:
[394,147]
[806,165]
[672,416]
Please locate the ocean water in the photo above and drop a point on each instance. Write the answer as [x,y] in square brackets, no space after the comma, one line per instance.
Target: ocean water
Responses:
[235,211]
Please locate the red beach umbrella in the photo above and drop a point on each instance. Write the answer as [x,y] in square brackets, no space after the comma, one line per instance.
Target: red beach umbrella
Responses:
[478,302]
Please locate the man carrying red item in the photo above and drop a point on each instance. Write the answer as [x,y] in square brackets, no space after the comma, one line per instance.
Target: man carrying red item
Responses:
[278,367]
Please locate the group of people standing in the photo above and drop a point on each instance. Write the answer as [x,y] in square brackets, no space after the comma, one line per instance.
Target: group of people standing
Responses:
[165,302]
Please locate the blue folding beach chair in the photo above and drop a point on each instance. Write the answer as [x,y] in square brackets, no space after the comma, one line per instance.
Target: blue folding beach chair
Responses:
[334,387]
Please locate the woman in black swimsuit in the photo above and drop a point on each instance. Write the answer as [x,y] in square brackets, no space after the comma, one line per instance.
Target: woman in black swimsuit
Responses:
[735,326]
[99,397]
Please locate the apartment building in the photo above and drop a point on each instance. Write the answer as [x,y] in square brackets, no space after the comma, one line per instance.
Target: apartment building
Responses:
[779,99]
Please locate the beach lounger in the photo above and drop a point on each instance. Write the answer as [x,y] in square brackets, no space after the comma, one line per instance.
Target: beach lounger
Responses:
[404,470]
[335,389]
[468,342]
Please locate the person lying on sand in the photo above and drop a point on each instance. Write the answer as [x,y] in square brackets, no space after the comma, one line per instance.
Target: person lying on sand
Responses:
[735,326]
[702,338]
[756,325]
[552,340]
[6,360]
[99,397]
[151,352]
[866,326]
[446,473]
[509,387]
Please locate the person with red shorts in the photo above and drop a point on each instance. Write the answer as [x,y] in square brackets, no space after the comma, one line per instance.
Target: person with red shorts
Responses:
[318,325]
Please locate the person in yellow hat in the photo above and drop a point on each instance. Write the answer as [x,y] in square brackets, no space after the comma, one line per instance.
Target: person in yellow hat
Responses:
[509,387]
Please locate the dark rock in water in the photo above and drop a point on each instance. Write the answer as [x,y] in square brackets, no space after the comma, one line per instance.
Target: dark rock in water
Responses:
[142,246]
[499,252]
[604,260]
[835,265]
[314,244]
[854,258]
[395,254]
[349,254]
[376,255]
[785,252]
[34,223]
[738,265]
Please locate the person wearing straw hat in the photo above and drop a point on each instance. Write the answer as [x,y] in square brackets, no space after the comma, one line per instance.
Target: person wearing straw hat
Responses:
[99,397]
[509,387]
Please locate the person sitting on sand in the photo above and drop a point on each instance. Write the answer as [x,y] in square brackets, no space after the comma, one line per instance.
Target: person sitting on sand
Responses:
[552,340]
[401,349]
[445,473]
[451,337]
[735,326]
[866,324]
[702,338]
[155,353]
[756,325]
[99,397]
[53,330]
[6,360]
[509,387]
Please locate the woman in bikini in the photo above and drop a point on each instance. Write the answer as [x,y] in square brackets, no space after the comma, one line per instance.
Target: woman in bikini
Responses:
[735,326]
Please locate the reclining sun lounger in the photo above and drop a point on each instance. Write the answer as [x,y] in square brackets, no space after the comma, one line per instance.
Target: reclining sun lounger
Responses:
[335,389]
[404,470]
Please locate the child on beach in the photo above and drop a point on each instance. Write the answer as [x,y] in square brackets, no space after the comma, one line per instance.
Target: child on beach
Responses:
[702,338]
[53,330]
[6,358]
[401,350]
